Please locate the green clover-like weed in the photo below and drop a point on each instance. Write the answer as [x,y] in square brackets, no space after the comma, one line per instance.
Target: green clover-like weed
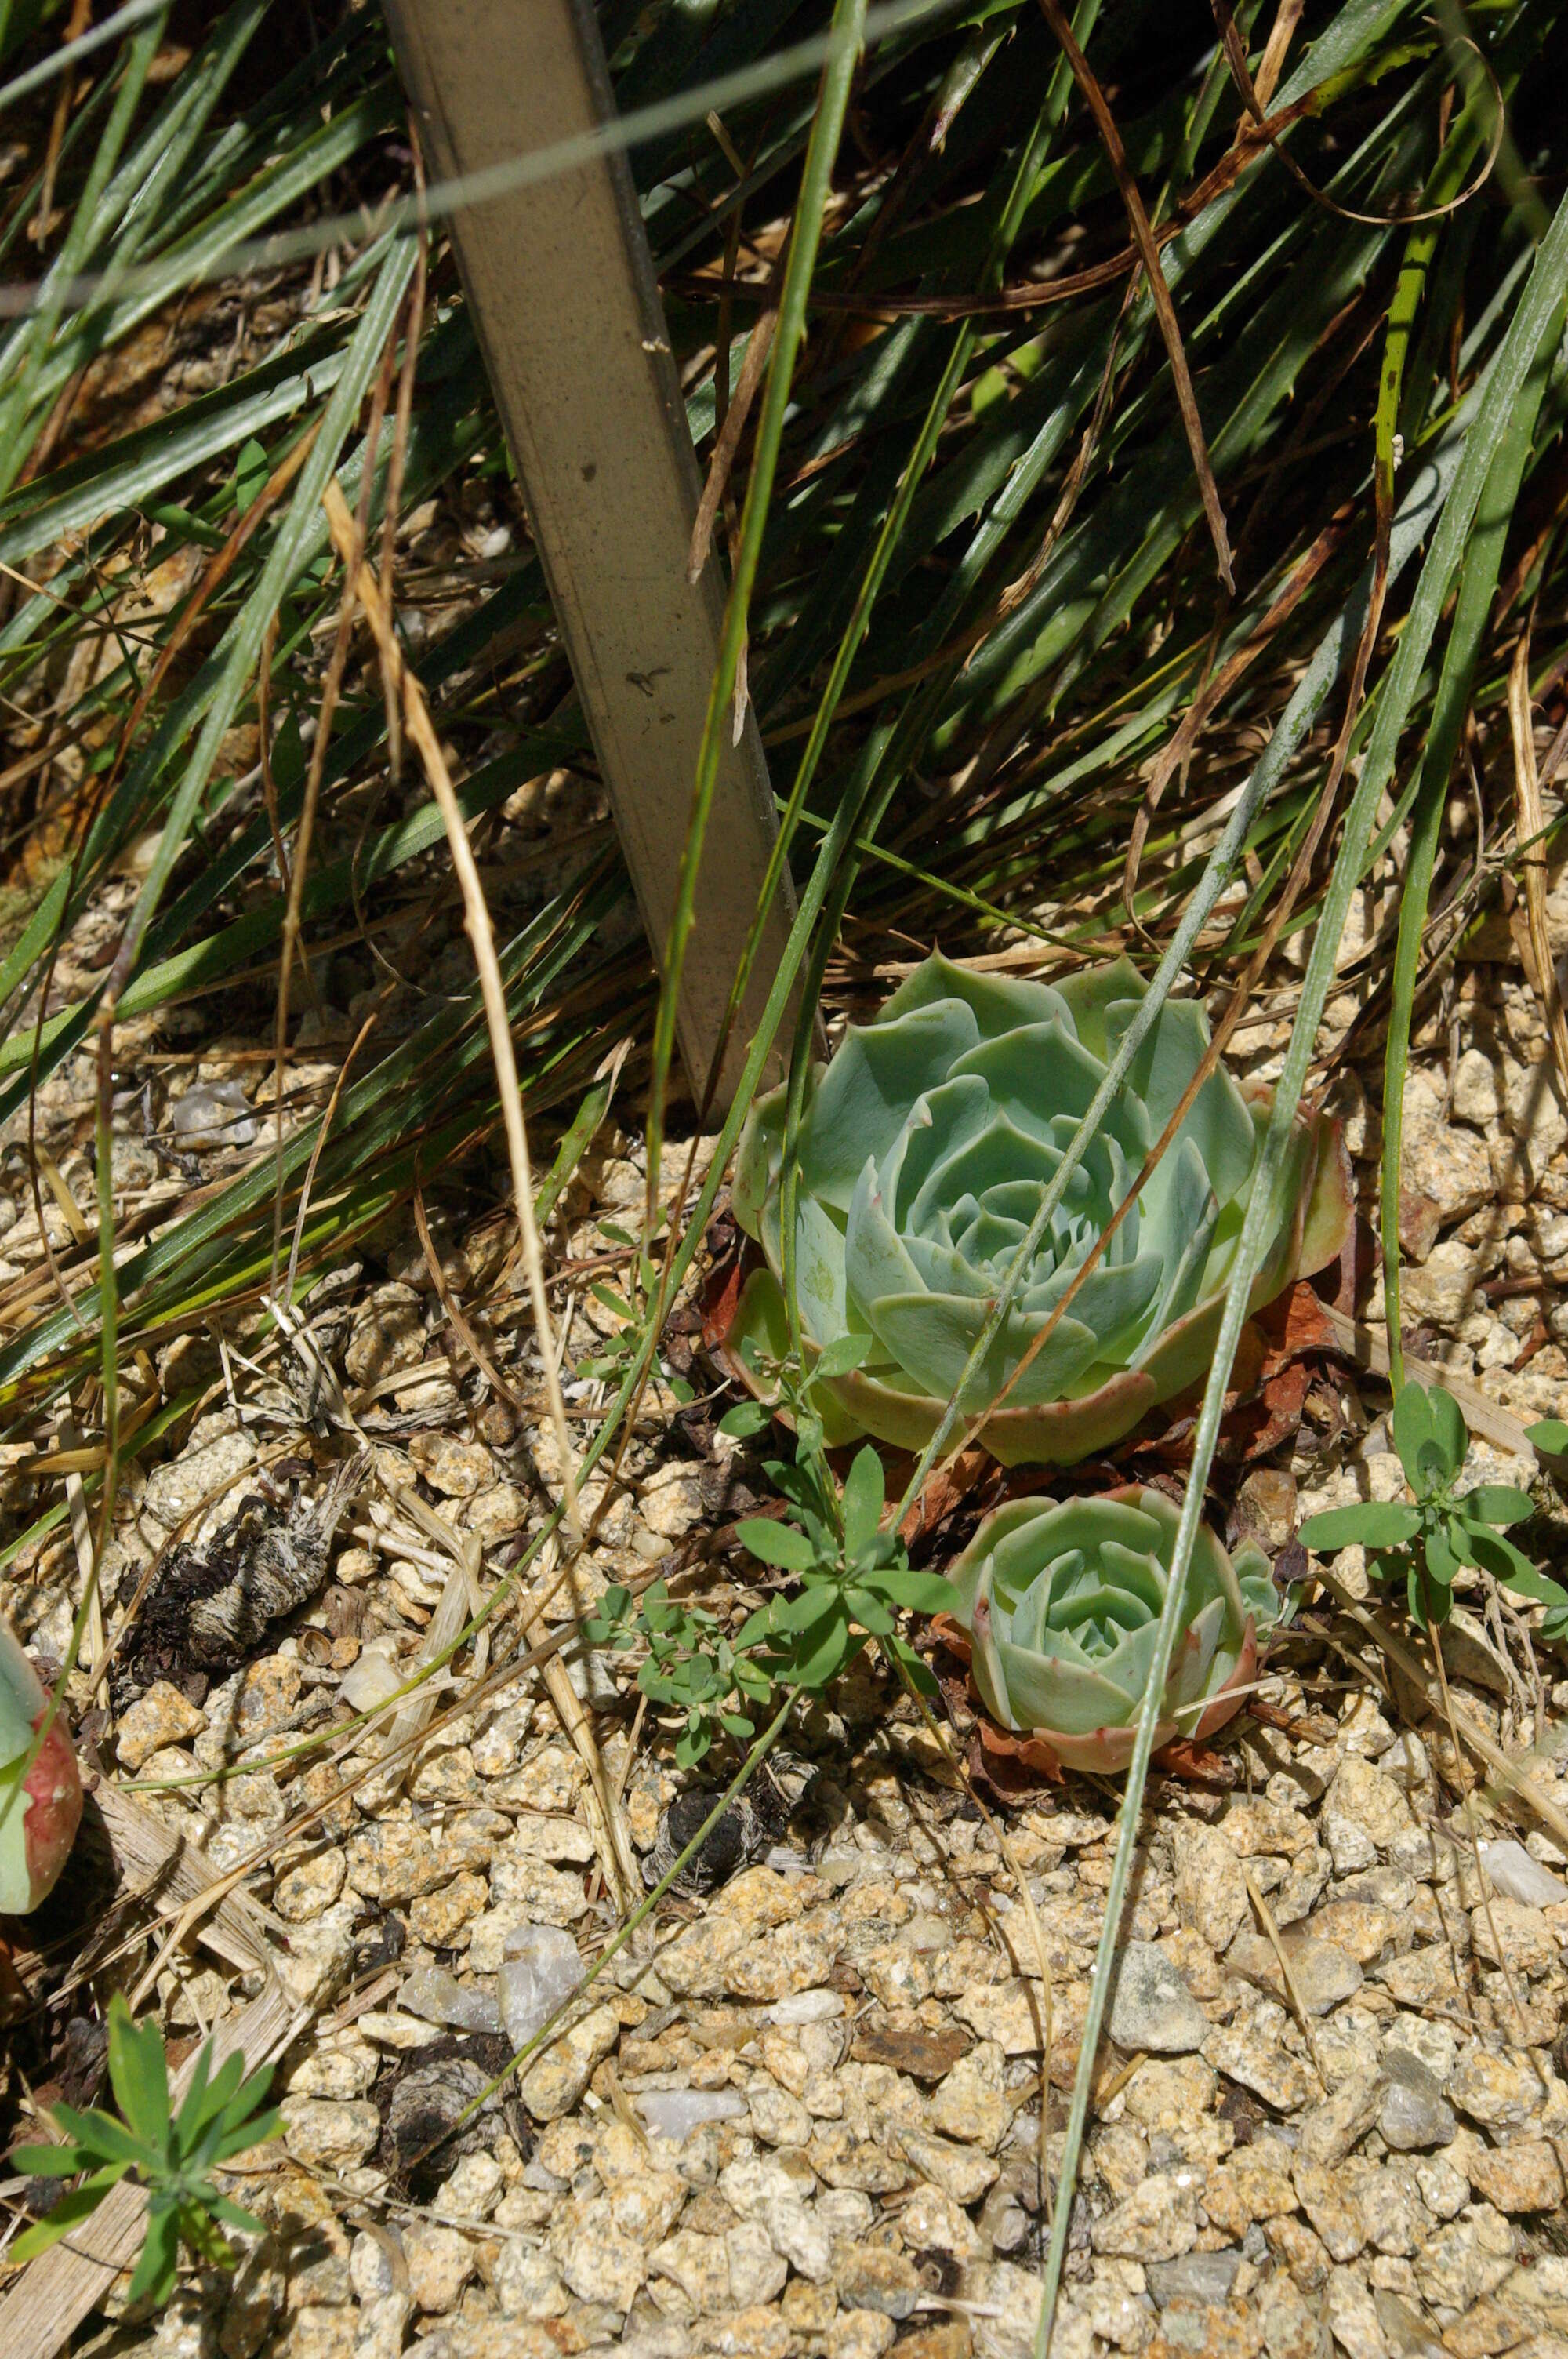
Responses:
[172,2154]
[850,1582]
[1422,1546]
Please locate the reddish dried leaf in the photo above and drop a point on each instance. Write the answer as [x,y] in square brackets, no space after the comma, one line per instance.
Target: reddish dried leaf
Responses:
[1012,1776]
[947,1488]
[1293,1325]
[1195,1765]
[1346,1284]
[1273,1416]
[719,1298]
[951,1635]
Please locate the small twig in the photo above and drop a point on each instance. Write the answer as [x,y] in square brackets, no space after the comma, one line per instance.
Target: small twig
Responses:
[1481,1877]
[1469,1731]
[1149,258]
[1532,851]
[1265,1917]
[1036,1930]
[416,719]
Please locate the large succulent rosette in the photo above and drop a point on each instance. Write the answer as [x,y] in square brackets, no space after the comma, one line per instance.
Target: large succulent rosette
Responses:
[925,1148]
[1062,1602]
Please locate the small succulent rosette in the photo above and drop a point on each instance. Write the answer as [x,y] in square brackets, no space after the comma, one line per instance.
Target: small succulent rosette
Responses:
[925,1148]
[39,1823]
[1062,1601]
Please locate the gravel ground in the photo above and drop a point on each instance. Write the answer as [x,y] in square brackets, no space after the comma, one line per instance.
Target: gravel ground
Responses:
[800,2114]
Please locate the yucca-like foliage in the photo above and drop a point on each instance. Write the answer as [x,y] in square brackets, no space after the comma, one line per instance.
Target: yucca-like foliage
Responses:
[1061,1601]
[927,1152]
[1043,609]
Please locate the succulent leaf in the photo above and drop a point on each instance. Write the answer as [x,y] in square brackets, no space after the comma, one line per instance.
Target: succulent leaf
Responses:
[1061,1601]
[925,1148]
[38,1824]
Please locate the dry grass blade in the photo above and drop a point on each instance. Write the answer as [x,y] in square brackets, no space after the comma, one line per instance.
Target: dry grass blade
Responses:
[322,1135]
[1520,1788]
[292,925]
[1196,718]
[1032,294]
[1412,211]
[1276,48]
[1265,1917]
[151,1862]
[393,506]
[607,1819]
[1532,853]
[216,573]
[1149,256]
[416,719]
[1369,1348]
[461,1325]
[613,1842]
[729,441]
[1018,590]
[43,221]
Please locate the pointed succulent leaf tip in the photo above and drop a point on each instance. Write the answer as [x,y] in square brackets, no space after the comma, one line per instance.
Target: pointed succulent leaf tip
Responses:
[1062,1601]
[926,1147]
[40,1800]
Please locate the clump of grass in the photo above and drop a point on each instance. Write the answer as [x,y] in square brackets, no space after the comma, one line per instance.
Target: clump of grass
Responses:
[977,507]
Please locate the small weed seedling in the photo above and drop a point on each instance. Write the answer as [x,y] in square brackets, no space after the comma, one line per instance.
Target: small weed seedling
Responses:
[854,1580]
[1422,1547]
[616,1351]
[173,2156]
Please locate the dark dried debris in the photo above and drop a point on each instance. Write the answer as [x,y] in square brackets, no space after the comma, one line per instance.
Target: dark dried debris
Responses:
[212,1606]
[422,2099]
[754,1821]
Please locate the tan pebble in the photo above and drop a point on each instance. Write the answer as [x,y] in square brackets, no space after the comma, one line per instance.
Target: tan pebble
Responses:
[861,2334]
[1330,2129]
[1499,2092]
[438,1918]
[1464,2262]
[328,2135]
[1156,2222]
[160,1717]
[972,2103]
[1255,2184]
[440,2263]
[1332,2209]
[1210,1891]
[759,2333]
[1523,2177]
